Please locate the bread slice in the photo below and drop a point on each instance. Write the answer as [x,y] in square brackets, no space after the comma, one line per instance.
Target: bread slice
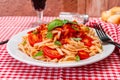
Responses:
[112,15]
[114,19]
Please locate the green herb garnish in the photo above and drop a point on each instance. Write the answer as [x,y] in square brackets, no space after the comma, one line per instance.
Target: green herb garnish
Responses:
[65,21]
[77,58]
[55,23]
[58,23]
[76,39]
[87,28]
[75,28]
[40,53]
[35,32]
[49,35]
[73,22]
[101,47]
[57,43]
[24,43]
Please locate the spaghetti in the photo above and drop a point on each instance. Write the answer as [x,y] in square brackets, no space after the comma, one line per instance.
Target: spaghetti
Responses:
[61,41]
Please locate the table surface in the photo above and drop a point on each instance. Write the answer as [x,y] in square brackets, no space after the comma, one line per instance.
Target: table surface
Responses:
[10,68]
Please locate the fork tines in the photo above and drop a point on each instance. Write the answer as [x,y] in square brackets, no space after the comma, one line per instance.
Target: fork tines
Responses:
[101,33]
[103,36]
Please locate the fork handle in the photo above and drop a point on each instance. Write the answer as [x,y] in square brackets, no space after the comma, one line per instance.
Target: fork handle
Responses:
[114,43]
[3,42]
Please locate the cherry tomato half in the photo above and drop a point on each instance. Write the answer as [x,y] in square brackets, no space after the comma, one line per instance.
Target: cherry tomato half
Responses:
[83,54]
[34,38]
[51,53]
[87,41]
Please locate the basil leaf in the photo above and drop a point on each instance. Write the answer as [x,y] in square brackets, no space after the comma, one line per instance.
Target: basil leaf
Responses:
[73,22]
[86,28]
[75,28]
[65,21]
[77,58]
[57,43]
[76,39]
[49,35]
[40,53]
[55,23]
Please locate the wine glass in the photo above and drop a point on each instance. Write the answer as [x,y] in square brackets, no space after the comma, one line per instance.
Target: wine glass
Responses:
[39,6]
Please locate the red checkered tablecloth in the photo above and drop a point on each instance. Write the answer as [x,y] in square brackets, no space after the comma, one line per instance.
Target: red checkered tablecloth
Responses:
[12,69]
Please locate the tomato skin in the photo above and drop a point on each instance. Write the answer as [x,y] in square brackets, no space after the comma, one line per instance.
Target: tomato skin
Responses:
[30,40]
[87,41]
[34,38]
[68,30]
[29,32]
[83,54]
[51,53]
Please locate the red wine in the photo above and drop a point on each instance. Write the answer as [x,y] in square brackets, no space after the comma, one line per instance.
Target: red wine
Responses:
[39,4]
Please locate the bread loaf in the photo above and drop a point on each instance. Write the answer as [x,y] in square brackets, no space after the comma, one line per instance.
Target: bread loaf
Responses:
[112,15]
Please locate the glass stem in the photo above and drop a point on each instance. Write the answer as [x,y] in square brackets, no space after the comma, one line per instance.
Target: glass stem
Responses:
[40,16]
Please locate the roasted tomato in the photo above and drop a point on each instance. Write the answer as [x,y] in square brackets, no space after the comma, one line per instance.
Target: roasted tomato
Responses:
[83,54]
[51,53]
[68,30]
[87,41]
[41,27]
[34,38]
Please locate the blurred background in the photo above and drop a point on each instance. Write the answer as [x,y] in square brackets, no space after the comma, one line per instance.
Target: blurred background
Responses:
[53,7]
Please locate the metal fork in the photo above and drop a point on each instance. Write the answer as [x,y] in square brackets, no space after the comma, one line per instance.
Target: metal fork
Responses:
[3,42]
[103,36]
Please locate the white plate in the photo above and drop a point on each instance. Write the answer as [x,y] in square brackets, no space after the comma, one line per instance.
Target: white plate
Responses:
[12,48]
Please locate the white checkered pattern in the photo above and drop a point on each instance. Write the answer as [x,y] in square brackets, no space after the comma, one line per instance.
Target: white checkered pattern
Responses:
[11,69]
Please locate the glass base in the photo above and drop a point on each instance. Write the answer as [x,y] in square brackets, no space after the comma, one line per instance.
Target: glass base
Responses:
[39,19]
[36,24]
